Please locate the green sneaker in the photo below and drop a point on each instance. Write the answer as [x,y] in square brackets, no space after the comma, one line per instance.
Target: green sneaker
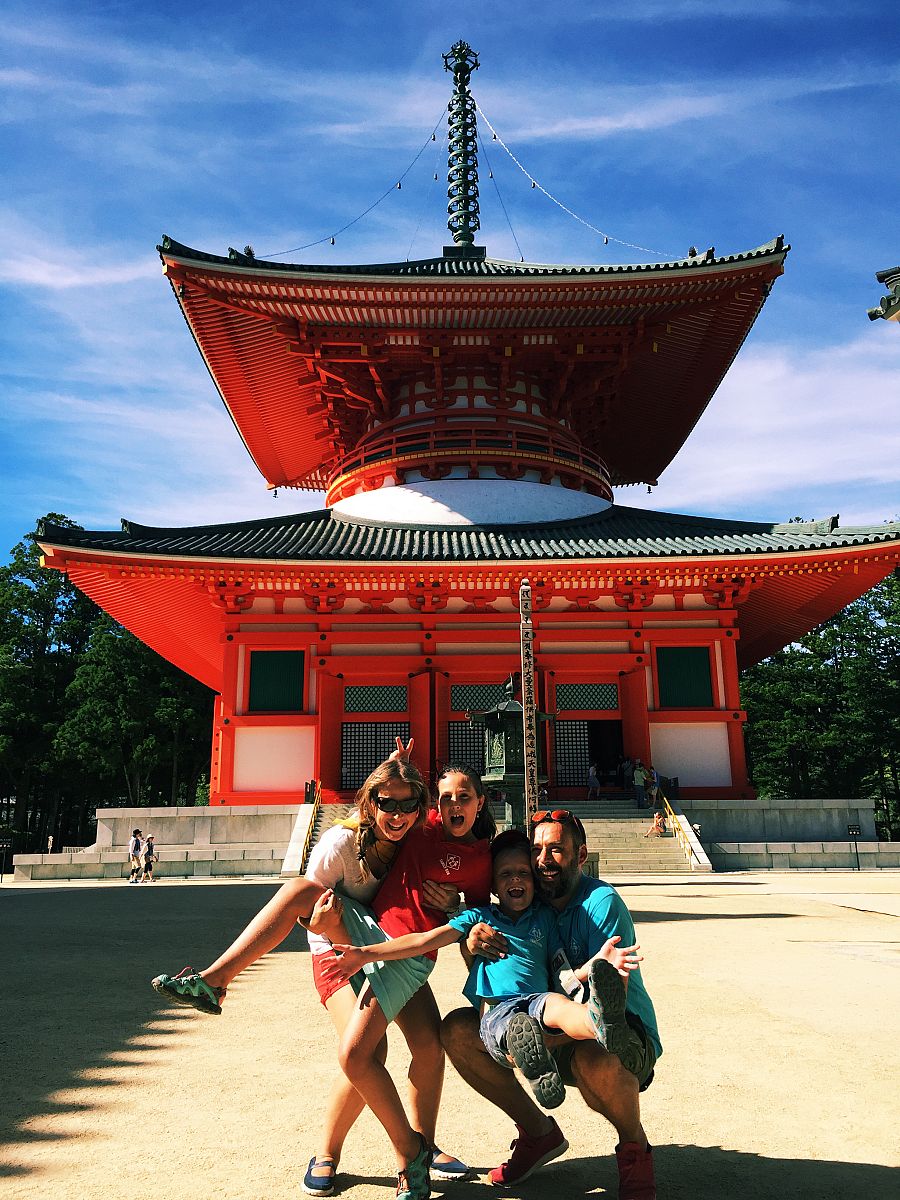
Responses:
[525,1042]
[188,988]
[606,1008]
[414,1181]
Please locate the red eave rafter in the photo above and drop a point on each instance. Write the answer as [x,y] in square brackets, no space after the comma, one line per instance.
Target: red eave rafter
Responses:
[261,333]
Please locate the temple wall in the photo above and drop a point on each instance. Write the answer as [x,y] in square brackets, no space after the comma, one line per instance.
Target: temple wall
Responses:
[279,759]
[779,820]
[696,753]
[192,843]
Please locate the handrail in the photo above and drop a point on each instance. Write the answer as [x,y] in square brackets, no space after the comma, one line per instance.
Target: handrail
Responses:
[317,804]
[690,845]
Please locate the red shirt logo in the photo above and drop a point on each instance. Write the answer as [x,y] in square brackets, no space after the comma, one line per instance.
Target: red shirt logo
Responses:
[450,863]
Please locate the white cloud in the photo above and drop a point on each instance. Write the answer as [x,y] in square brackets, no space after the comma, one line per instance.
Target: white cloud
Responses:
[794,427]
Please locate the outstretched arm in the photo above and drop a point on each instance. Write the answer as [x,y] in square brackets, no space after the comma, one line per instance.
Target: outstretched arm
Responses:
[624,958]
[353,958]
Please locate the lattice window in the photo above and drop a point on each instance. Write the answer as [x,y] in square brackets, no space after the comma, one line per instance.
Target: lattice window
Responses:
[588,697]
[475,697]
[465,745]
[382,698]
[572,753]
[365,744]
[276,681]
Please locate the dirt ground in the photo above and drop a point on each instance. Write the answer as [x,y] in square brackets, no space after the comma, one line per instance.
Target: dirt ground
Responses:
[777,998]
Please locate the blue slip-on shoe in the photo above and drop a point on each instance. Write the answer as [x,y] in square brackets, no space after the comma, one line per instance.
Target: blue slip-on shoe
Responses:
[449,1170]
[319,1185]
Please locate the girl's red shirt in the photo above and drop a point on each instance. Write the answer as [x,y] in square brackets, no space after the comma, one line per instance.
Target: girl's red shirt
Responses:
[427,854]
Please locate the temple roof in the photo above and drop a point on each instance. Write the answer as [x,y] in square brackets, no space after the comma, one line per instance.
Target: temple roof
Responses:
[472,265]
[165,584]
[309,359]
[618,532]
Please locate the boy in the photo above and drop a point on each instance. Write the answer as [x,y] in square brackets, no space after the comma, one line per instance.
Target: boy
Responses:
[513,994]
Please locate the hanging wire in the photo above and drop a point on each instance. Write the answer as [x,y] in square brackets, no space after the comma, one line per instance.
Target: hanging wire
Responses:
[395,186]
[428,197]
[607,237]
[493,178]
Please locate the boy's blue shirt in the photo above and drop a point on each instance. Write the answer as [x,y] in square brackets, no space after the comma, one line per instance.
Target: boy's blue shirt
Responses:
[533,940]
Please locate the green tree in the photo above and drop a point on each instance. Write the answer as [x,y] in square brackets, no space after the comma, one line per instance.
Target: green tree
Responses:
[45,624]
[824,713]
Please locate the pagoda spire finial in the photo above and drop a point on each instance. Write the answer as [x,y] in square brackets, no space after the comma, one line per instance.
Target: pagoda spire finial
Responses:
[462,147]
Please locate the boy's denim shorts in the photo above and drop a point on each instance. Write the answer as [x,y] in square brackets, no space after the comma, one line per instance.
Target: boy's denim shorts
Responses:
[497,1017]
[496,1020]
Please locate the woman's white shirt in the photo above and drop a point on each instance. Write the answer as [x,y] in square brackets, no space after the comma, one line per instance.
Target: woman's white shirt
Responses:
[334,863]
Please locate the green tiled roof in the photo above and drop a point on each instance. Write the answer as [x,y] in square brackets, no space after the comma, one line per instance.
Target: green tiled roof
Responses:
[473,266]
[618,532]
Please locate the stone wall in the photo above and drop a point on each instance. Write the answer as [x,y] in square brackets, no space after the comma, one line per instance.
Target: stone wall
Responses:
[190,843]
[780,820]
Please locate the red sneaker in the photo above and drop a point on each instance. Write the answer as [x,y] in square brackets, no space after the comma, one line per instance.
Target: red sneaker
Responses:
[636,1180]
[529,1153]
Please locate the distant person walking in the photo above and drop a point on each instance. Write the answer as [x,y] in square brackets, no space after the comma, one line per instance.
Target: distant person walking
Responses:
[135,852]
[639,778]
[593,783]
[148,858]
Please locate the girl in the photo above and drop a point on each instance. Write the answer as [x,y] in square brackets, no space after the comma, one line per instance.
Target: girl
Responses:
[454,845]
[351,858]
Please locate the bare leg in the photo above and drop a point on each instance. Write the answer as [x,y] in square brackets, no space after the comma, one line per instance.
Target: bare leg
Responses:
[359,1062]
[344,1102]
[420,1024]
[459,1033]
[268,929]
[573,1019]
[610,1090]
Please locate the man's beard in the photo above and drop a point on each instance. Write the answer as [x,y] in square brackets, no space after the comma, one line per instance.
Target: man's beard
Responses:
[556,886]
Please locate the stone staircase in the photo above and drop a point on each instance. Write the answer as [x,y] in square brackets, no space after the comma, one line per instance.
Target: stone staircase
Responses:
[615,833]
[328,815]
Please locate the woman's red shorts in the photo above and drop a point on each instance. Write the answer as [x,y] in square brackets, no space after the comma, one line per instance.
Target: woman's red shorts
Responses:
[326,976]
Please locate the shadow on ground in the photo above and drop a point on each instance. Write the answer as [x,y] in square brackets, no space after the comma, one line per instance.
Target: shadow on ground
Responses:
[77,965]
[697,1173]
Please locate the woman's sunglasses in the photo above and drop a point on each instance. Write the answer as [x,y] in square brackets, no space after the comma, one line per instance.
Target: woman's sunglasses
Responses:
[388,804]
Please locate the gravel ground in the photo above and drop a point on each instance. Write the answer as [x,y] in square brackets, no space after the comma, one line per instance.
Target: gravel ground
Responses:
[777,998]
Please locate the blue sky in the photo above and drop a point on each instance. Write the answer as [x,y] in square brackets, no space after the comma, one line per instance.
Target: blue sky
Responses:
[665,123]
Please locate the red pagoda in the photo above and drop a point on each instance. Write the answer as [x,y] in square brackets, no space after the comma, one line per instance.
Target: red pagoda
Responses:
[468,420]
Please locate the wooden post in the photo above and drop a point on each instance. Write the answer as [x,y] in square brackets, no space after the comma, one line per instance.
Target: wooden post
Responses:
[529,719]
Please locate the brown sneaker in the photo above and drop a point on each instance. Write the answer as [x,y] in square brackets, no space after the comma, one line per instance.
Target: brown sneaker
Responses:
[636,1179]
[529,1153]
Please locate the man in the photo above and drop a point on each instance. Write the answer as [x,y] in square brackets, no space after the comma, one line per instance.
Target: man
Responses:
[135,850]
[588,912]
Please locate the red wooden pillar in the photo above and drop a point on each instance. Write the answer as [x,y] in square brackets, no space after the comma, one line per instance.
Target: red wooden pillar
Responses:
[221,783]
[420,706]
[635,719]
[328,731]
[736,748]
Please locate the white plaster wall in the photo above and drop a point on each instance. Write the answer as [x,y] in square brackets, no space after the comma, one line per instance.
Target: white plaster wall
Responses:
[696,753]
[470,502]
[279,759]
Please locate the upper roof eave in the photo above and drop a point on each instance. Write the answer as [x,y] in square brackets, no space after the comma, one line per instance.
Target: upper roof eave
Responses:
[460,268]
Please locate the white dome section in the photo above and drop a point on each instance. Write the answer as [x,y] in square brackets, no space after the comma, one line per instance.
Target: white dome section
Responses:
[470,502]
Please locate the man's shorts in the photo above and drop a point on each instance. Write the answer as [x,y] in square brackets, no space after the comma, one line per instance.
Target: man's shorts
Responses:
[496,1021]
[644,1055]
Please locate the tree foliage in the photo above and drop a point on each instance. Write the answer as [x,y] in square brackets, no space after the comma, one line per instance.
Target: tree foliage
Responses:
[89,716]
[824,714]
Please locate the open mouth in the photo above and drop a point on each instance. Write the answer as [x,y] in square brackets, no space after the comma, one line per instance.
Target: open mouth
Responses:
[457,820]
[516,893]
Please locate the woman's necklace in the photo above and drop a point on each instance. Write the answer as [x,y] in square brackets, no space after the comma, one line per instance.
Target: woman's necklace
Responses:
[379,856]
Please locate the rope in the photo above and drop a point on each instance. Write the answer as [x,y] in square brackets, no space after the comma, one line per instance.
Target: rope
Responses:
[499,197]
[607,237]
[329,237]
